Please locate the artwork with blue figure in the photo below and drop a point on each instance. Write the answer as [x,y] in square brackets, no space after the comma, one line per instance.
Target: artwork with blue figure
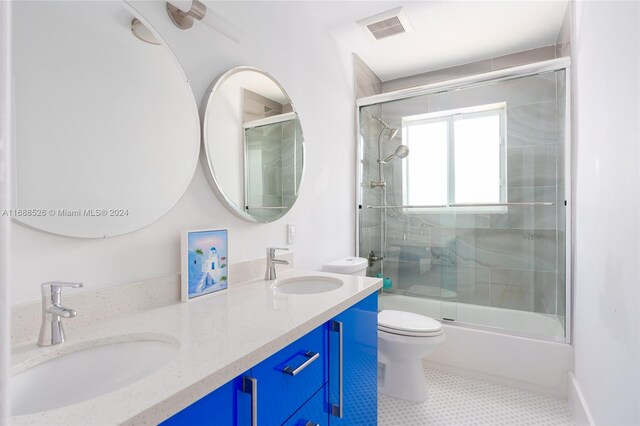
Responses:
[207,262]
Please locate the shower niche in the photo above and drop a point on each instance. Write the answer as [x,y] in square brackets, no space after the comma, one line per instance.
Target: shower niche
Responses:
[462,193]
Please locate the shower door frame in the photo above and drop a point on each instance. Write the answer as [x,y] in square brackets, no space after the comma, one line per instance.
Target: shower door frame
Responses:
[527,70]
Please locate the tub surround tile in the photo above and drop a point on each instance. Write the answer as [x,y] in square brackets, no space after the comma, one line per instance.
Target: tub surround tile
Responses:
[450,73]
[545,292]
[532,166]
[532,124]
[527,194]
[517,92]
[367,83]
[209,354]
[512,297]
[532,218]
[526,57]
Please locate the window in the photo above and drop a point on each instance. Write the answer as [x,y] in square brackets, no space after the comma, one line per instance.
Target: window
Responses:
[456,157]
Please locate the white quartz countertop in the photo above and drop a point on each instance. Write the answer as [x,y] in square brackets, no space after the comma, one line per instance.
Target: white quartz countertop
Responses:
[220,336]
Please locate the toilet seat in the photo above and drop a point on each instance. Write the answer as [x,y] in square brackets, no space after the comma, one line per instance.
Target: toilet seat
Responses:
[408,324]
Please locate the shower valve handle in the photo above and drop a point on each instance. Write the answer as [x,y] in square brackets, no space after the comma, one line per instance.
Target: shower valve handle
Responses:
[372,258]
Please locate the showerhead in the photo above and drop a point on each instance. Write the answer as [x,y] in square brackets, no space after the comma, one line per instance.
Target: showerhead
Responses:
[401,152]
[393,131]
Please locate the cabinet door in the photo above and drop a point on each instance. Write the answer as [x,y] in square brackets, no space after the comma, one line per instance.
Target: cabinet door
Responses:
[359,359]
[226,406]
[290,377]
[313,412]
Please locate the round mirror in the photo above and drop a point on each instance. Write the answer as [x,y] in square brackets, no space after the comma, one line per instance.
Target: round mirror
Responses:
[106,125]
[253,144]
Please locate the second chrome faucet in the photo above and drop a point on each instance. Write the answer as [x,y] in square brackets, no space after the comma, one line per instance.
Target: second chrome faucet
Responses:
[270,274]
[51,331]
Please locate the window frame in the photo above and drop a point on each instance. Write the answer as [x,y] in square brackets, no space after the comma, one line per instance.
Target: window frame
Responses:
[450,117]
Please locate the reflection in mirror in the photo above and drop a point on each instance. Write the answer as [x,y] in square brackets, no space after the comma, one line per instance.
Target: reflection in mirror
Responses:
[253,144]
[107,130]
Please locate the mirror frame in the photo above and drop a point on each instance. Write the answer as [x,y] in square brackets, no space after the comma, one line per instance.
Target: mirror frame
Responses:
[207,151]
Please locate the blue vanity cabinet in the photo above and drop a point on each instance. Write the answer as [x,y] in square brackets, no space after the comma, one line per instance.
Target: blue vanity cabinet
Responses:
[326,377]
[358,328]
[227,405]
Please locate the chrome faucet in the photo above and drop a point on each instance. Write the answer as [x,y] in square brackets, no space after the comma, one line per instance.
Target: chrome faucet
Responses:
[51,331]
[271,263]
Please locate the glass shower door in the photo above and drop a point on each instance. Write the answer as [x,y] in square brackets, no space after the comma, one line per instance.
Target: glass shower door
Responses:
[471,224]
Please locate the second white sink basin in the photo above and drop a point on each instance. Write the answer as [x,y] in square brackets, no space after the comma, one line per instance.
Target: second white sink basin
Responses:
[86,374]
[307,285]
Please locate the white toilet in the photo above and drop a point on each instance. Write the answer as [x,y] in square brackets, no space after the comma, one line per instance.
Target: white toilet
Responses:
[348,266]
[404,338]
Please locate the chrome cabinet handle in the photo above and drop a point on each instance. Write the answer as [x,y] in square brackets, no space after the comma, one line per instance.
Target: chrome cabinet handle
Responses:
[310,423]
[250,385]
[336,409]
[311,356]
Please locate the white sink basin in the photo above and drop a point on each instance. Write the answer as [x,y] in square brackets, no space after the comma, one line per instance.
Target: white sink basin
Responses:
[307,285]
[86,374]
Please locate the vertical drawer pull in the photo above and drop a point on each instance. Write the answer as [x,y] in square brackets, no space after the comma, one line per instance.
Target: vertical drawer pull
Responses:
[336,409]
[250,385]
[311,356]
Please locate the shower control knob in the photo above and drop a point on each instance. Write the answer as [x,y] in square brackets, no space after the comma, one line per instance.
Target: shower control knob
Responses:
[373,258]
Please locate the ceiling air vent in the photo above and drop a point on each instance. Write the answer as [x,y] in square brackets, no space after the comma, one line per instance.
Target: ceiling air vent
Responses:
[387,24]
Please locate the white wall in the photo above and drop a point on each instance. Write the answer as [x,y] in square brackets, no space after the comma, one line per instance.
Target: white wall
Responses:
[282,39]
[607,248]
[5,27]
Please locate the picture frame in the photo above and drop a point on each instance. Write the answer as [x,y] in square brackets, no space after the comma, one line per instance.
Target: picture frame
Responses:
[204,262]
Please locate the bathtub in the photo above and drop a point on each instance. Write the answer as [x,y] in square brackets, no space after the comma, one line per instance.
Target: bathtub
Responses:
[490,344]
[498,319]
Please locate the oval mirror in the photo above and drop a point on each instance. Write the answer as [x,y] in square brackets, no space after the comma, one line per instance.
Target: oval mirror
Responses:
[106,125]
[253,144]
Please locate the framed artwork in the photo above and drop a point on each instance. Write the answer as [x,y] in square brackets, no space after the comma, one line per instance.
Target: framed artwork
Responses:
[204,262]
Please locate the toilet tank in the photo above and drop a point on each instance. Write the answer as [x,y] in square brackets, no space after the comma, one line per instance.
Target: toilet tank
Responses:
[347,265]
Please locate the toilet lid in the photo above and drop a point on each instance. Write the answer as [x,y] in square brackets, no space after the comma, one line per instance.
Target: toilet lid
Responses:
[401,322]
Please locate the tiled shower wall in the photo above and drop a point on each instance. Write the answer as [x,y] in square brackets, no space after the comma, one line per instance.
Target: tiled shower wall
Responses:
[511,260]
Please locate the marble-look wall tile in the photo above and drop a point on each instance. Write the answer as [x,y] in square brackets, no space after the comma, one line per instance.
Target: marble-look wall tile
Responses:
[526,217]
[527,194]
[367,83]
[545,292]
[522,58]
[512,297]
[450,73]
[532,166]
[517,92]
[532,124]
[516,277]
[561,85]
[394,111]
[478,67]
[562,294]
[503,248]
